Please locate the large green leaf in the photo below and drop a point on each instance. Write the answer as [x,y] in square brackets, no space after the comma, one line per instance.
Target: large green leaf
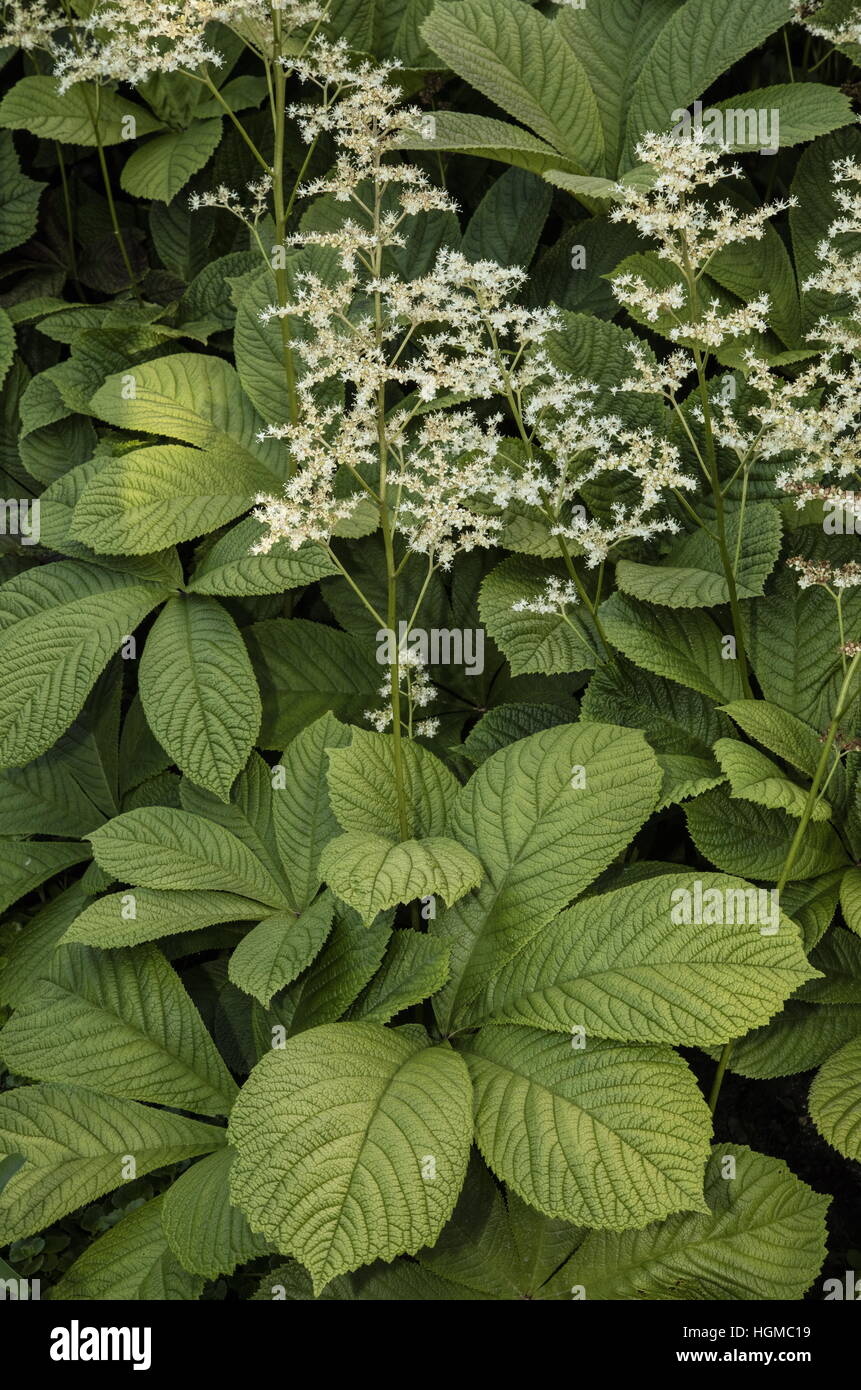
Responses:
[753,841]
[763,1237]
[59,627]
[307,670]
[121,1022]
[77,1145]
[520,59]
[108,922]
[692,575]
[835,1100]
[626,965]
[486,138]
[133,1261]
[164,165]
[205,1233]
[624,1130]
[162,847]
[372,873]
[85,114]
[352,1145]
[229,568]
[19,198]
[198,691]
[681,646]
[544,816]
[363,786]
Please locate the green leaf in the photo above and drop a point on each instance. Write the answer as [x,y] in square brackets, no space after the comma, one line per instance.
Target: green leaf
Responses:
[633,964]
[363,786]
[108,923]
[754,777]
[205,1232]
[347,963]
[543,642]
[680,724]
[693,575]
[850,899]
[753,842]
[333,1134]
[520,60]
[302,817]
[624,1129]
[835,1100]
[7,344]
[370,873]
[229,568]
[279,948]
[544,816]
[794,113]
[696,45]
[59,626]
[612,41]
[150,498]
[160,847]
[199,692]
[77,1143]
[763,1237]
[164,165]
[415,967]
[85,114]
[485,138]
[122,1022]
[306,670]
[506,724]
[507,224]
[780,732]
[682,646]
[132,1262]
[19,199]
[192,397]
[800,1038]
[28,863]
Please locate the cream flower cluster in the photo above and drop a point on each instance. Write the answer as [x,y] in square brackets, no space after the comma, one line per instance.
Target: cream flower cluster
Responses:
[848,31]
[30,24]
[417,690]
[555,597]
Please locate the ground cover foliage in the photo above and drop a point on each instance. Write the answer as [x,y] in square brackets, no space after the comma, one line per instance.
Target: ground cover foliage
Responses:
[430,631]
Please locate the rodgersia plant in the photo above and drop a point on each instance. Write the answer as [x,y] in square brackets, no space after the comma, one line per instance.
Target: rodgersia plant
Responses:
[430,627]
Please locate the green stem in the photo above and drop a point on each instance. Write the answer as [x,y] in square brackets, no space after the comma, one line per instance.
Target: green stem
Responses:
[281,214]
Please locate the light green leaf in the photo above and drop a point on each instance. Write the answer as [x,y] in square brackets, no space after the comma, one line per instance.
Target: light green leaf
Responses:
[205,1233]
[107,922]
[302,817]
[682,646]
[279,948]
[633,964]
[533,642]
[76,1144]
[485,138]
[793,114]
[84,115]
[835,1100]
[520,60]
[415,967]
[763,1237]
[624,1129]
[199,692]
[371,873]
[544,816]
[59,626]
[332,1134]
[150,498]
[693,576]
[161,847]
[347,963]
[122,1022]
[133,1262]
[192,397]
[363,786]
[164,165]
[230,569]
[780,732]
[754,777]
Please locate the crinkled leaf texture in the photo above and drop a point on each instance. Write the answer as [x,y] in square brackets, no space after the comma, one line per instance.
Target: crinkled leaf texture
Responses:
[352,1144]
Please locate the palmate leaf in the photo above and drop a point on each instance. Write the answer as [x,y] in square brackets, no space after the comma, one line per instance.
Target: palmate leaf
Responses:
[205,1232]
[347,963]
[624,1128]
[199,693]
[621,965]
[133,1261]
[763,1237]
[542,834]
[334,1134]
[76,1144]
[121,1022]
[521,60]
